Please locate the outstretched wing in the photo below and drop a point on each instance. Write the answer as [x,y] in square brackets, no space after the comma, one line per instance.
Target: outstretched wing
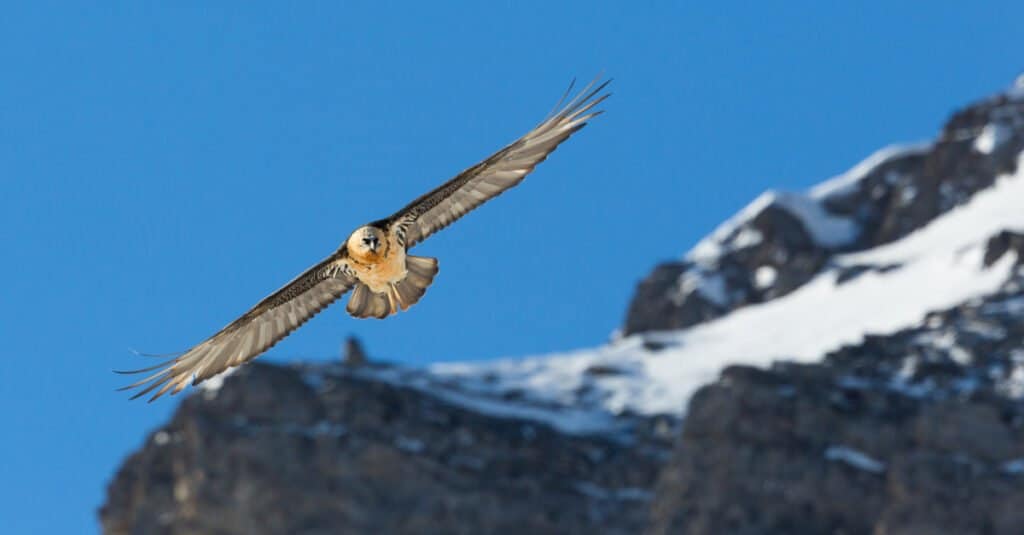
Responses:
[499,172]
[257,330]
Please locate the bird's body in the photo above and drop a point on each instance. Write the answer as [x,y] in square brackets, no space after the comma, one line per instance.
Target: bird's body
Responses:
[389,280]
[377,269]
[373,262]
[380,273]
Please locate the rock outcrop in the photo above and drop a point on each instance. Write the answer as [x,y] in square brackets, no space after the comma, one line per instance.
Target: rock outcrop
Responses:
[320,450]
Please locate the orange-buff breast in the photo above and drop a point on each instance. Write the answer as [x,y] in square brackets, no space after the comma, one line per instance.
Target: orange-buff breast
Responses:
[379,271]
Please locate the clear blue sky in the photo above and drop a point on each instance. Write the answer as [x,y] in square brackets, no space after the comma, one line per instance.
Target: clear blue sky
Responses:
[162,169]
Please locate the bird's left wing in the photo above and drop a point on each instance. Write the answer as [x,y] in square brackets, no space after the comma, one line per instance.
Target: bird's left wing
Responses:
[499,172]
[254,332]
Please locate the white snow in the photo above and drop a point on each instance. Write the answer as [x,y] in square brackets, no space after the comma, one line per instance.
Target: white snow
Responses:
[748,237]
[1013,385]
[960,231]
[711,247]
[826,229]
[801,326]
[161,438]
[213,384]
[844,183]
[854,458]
[764,277]
[709,284]
[991,137]
[1017,89]
[478,394]
[907,195]
[946,341]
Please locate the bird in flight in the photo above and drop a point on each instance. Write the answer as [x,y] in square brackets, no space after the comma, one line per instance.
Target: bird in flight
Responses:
[373,262]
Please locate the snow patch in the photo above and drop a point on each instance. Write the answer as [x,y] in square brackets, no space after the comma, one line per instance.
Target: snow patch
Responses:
[825,228]
[1016,91]
[946,341]
[748,237]
[213,384]
[712,246]
[854,458]
[908,194]
[992,137]
[1013,385]
[483,393]
[846,183]
[962,229]
[711,286]
[764,277]
[161,438]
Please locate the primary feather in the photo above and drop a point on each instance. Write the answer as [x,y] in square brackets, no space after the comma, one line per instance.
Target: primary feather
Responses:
[502,170]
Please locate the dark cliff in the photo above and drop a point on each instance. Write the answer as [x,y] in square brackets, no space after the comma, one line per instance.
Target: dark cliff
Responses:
[322,450]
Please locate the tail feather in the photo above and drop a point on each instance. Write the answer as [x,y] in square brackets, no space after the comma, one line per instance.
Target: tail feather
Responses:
[365,303]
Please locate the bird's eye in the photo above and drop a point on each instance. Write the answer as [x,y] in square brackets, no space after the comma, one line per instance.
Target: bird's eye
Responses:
[367,241]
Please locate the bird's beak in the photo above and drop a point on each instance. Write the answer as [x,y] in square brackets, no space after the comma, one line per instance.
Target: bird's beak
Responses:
[374,244]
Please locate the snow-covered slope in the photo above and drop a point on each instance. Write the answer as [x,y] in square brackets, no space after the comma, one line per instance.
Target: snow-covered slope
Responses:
[827,229]
[936,267]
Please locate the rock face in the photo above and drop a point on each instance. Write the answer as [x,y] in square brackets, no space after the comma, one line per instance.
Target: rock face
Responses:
[322,451]
[913,432]
[793,450]
[772,241]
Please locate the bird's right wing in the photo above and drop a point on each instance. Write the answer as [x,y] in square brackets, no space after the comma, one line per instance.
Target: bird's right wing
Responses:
[254,332]
[502,170]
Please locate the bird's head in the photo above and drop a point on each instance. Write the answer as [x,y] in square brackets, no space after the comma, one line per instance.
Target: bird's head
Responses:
[366,241]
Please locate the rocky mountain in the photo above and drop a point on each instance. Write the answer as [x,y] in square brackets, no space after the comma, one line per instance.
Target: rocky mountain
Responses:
[845,360]
[337,450]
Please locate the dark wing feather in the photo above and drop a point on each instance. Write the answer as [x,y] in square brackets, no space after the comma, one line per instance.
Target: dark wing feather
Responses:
[499,172]
[254,332]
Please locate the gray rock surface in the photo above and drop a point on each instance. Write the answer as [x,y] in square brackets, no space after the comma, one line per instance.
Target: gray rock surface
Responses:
[320,450]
